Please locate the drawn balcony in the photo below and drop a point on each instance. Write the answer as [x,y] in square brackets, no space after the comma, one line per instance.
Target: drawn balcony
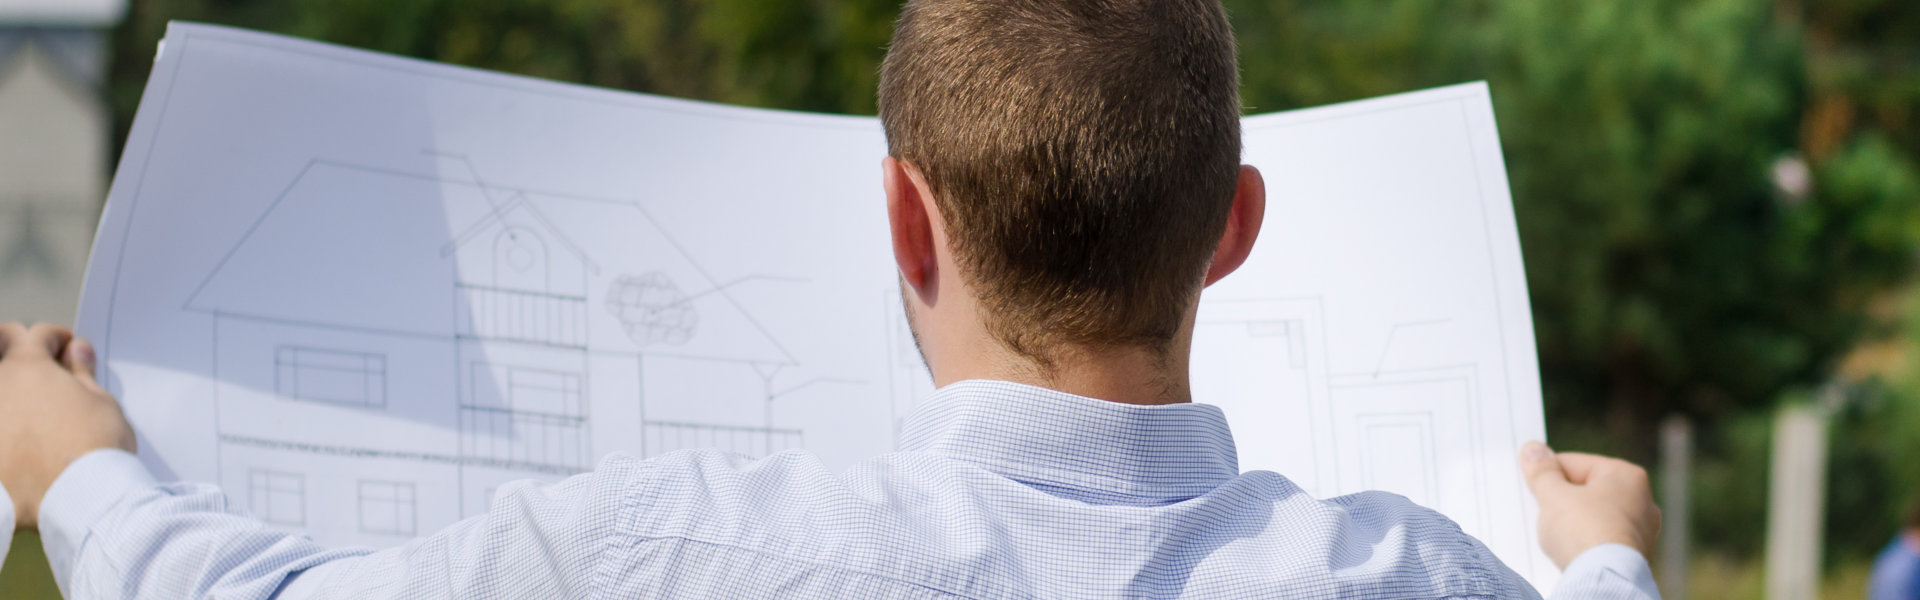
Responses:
[526,418]
[535,317]
[662,437]
[512,439]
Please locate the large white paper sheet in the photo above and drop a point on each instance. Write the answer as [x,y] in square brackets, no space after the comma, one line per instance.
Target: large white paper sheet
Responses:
[361,292]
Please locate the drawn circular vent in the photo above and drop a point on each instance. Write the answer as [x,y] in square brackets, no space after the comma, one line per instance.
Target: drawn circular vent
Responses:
[652,309]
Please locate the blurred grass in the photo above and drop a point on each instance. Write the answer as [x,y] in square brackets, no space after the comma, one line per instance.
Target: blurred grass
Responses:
[1718,577]
[25,576]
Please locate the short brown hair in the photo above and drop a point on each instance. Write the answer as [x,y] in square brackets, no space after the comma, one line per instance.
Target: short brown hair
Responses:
[1084,154]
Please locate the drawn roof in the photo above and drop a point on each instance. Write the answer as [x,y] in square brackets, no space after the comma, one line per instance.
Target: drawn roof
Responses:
[360,248]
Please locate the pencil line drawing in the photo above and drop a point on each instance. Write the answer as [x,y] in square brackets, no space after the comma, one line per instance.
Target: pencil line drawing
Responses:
[1265,361]
[1387,348]
[277,497]
[664,436]
[494,333]
[1398,453]
[387,508]
[320,375]
[1399,421]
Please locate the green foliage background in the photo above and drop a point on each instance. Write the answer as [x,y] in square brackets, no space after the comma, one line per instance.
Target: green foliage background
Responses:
[1669,274]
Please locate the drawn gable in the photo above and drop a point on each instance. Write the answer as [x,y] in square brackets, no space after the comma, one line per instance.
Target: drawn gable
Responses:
[518,278]
[516,248]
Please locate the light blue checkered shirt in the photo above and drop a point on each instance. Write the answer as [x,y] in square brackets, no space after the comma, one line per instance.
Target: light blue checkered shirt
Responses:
[1000,491]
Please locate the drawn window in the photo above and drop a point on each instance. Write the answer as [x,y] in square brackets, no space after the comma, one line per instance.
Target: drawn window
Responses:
[520,260]
[386,507]
[334,376]
[278,497]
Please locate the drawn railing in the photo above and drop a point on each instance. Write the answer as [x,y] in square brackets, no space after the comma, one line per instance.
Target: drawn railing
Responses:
[501,314]
[521,438]
[663,437]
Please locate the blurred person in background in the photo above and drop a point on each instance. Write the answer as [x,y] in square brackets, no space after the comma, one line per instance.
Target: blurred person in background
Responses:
[1896,572]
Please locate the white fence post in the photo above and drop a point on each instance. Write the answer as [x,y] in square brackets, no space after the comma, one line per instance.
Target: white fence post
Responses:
[1798,486]
[1676,465]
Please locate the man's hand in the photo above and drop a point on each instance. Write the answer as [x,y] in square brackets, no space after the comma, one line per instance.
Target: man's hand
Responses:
[51,412]
[1588,500]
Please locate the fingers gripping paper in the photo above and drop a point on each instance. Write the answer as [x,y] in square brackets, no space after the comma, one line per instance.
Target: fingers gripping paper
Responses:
[354,289]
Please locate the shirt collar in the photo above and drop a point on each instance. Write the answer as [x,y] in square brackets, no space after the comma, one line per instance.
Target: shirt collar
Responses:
[1078,447]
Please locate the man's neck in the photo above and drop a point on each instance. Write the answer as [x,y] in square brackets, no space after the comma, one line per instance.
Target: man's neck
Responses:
[959,347]
[1127,376]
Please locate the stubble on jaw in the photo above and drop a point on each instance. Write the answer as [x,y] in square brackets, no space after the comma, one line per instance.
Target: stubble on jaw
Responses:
[913,323]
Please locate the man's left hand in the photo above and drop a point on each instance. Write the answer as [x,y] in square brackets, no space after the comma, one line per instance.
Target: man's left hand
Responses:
[51,412]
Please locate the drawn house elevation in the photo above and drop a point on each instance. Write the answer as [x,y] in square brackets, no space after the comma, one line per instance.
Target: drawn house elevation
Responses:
[1265,361]
[392,347]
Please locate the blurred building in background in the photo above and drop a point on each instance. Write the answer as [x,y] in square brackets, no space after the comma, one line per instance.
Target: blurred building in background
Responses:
[55,130]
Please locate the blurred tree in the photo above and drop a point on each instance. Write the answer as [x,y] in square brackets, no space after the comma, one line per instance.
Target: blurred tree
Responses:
[1668,271]
[1730,485]
[1863,72]
[1863,123]
[806,55]
[819,56]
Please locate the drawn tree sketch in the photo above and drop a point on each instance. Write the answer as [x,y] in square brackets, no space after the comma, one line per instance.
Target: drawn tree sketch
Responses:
[651,309]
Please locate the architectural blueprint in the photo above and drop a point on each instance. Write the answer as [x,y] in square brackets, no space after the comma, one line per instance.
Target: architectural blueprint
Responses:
[363,293]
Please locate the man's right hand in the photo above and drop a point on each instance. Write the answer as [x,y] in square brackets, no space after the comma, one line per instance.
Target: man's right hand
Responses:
[51,412]
[1588,500]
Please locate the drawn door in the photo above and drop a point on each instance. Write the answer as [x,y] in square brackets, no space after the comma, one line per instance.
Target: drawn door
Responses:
[1395,426]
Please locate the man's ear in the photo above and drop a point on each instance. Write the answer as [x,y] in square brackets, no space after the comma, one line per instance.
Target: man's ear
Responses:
[909,204]
[1243,224]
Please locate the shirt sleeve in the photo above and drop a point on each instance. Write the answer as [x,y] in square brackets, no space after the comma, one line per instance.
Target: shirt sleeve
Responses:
[1607,572]
[111,532]
[6,517]
[536,541]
